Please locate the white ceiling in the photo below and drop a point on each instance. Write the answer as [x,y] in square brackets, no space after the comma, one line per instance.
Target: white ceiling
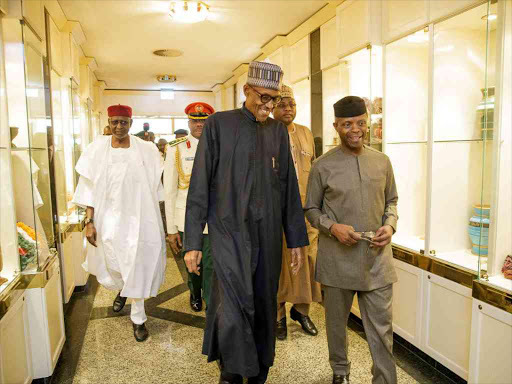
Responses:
[122,35]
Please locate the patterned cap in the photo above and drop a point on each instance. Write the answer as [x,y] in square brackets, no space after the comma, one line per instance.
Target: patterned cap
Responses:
[265,75]
[286,91]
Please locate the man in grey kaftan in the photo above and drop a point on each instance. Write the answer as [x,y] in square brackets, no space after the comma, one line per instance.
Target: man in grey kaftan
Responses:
[351,189]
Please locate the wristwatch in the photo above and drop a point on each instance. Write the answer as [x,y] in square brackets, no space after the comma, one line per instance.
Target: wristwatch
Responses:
[89,220]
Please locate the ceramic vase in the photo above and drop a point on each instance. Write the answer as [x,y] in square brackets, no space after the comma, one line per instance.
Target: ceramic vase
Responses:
[478,230]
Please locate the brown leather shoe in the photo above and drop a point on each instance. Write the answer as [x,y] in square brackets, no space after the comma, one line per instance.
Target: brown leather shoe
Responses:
[304,321]
[140,332]
[341,379]
[119,303]
[281,329]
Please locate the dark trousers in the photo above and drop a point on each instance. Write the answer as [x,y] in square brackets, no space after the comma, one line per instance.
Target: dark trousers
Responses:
[200,286]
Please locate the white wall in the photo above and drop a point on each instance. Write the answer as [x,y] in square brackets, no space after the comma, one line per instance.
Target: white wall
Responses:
[148,103]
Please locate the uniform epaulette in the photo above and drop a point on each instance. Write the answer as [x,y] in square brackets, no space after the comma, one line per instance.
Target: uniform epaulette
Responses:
[177,141]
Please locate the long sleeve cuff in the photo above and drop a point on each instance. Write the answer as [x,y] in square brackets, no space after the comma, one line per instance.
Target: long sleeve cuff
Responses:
[172,229]
[325,224]
[391,221]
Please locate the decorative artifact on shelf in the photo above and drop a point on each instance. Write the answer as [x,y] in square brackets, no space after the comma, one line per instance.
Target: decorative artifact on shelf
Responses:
[377,130]
[27,247]
[478,230]
[485,114]
[507,268]
[377,106]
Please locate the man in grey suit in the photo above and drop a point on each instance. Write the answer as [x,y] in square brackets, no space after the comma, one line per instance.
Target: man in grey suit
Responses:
[352,200]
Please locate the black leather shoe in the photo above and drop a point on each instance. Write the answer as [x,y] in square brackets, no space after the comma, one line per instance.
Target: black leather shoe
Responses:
[340,379]
[140,332]
[305,322]
[281,329]
[119,303]
[230,378]
[196,304]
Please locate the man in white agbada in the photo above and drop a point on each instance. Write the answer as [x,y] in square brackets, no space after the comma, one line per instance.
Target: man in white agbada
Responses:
[120,185]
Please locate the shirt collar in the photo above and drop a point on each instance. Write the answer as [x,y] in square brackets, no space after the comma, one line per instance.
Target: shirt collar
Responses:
[248,113]
[192,138]
[349,152]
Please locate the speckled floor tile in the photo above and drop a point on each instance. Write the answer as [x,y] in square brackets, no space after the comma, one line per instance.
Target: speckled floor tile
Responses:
[181,303]
[171,355]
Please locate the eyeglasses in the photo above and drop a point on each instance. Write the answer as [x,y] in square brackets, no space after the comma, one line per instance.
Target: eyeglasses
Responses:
[286,105]
[266,98]
[123,123]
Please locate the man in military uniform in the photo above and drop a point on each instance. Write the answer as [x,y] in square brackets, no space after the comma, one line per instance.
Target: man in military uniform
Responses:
[300,289]
[177,170]
[144,134]
[181,133]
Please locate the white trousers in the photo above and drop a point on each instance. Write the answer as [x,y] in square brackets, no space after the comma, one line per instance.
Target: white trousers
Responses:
[138,313]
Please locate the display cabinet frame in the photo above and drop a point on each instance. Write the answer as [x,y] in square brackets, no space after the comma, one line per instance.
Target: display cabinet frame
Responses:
[9,257]
[486,170]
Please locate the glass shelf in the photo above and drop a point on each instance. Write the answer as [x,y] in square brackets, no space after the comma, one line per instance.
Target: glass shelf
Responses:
[462,145]
[406,126]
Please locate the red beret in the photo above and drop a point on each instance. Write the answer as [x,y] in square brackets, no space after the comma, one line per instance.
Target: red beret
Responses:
[119,110]
[199,111]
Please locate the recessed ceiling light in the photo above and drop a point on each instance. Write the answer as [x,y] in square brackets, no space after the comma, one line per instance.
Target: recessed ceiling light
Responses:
[168,52]
[490,17]
[189,11]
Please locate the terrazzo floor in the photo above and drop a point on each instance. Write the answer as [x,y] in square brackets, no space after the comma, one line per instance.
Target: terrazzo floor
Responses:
[100,348]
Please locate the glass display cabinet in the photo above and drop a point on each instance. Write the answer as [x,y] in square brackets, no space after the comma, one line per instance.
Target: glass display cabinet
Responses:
[29,148]
[441,134]
[9,258]
[33,154]
[463,82]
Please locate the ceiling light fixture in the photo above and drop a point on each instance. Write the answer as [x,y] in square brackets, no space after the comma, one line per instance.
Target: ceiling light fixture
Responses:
[189,11]
[166,78]
[168,53]
[490,17]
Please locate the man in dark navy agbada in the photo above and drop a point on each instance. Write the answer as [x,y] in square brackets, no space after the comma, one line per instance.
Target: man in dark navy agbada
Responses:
[245,186]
